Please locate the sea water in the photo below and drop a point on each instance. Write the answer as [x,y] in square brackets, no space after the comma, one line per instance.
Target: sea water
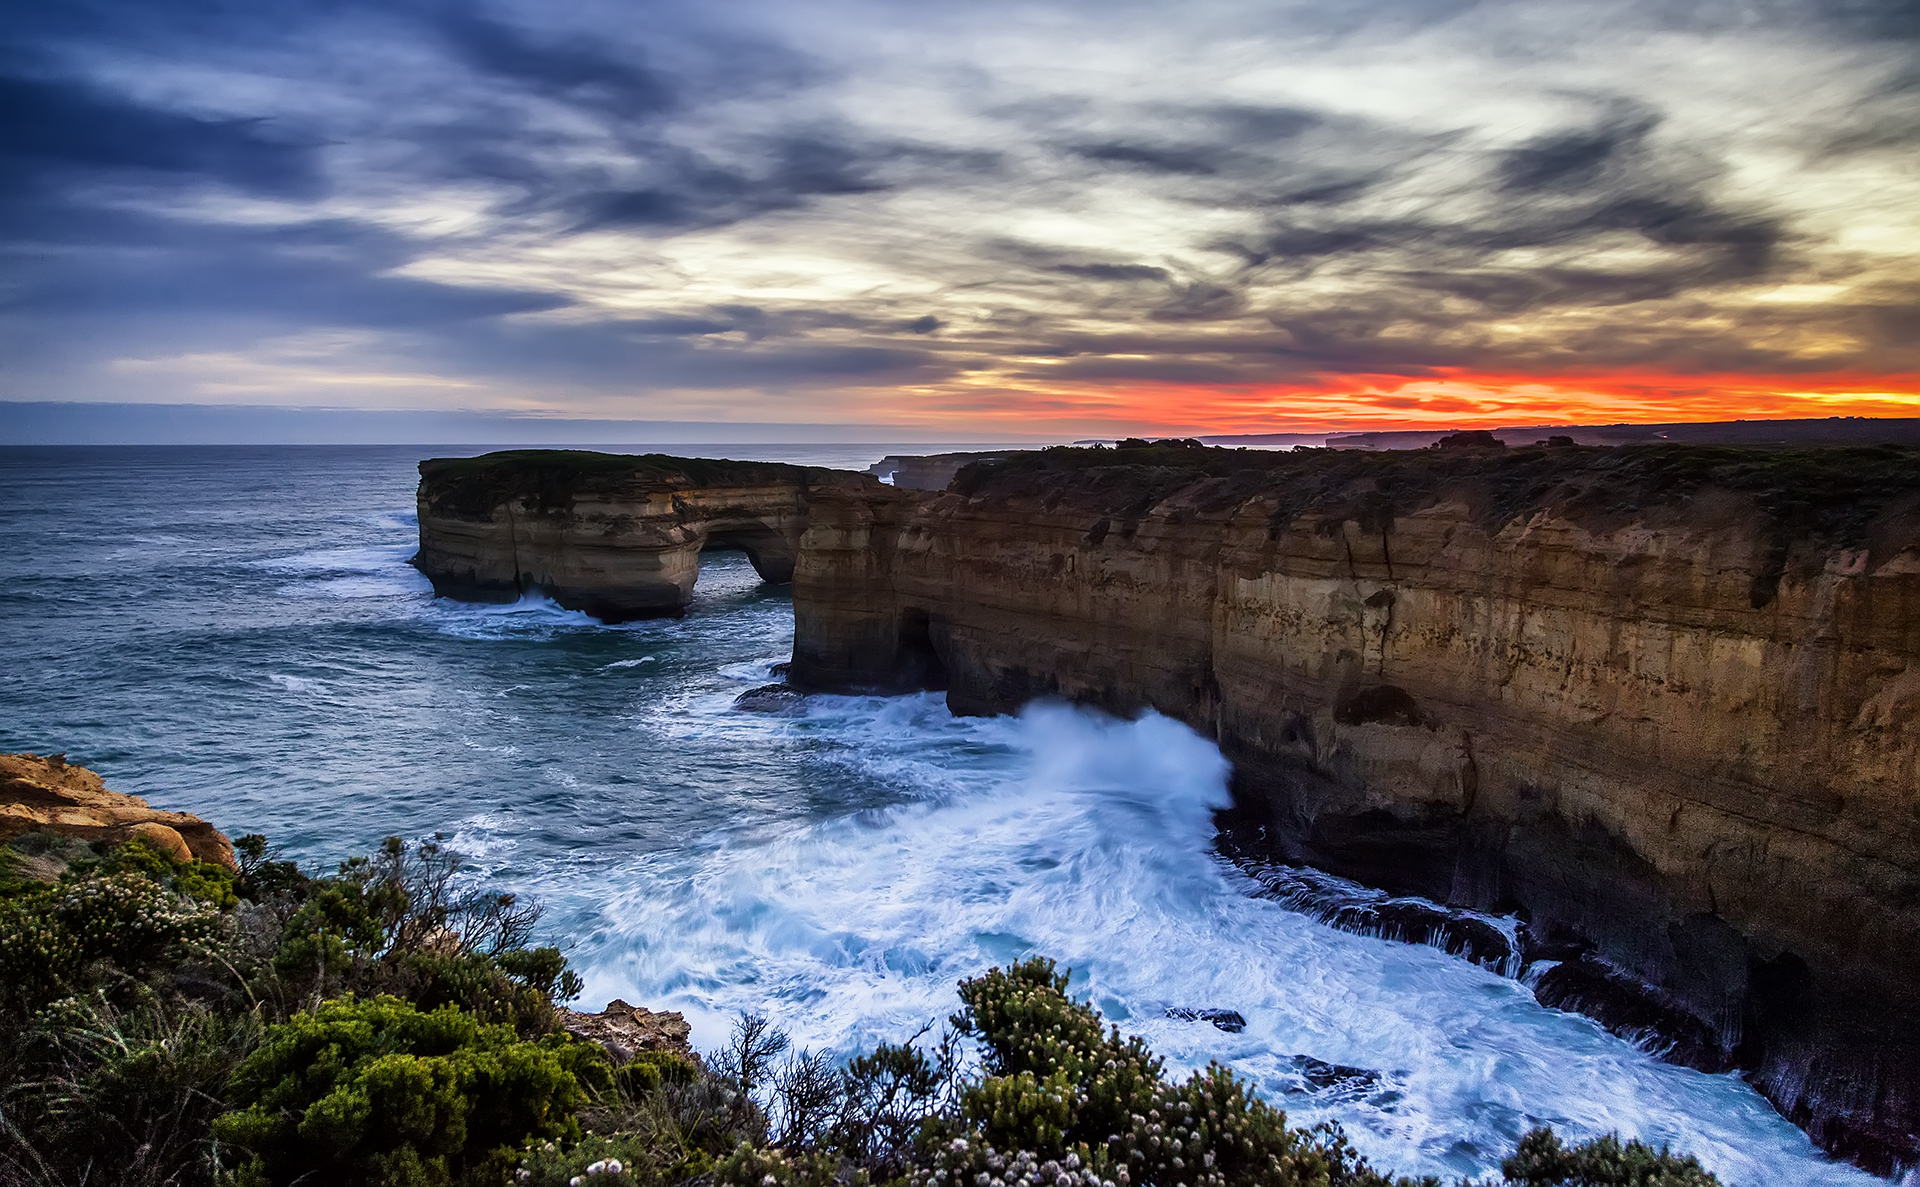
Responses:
[237,633]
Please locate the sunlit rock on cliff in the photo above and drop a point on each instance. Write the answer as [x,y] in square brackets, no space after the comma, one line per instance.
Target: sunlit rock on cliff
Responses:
[51,795]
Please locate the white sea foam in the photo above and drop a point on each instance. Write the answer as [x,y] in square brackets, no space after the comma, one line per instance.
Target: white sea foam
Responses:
[534,616]
[1089,839]
[378,571]
[377,558]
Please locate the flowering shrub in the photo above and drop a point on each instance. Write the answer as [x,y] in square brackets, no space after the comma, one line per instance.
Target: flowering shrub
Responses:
[107,932]
[1065,1104]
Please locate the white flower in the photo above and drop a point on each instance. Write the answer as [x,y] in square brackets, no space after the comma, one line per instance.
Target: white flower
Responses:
[614,1167]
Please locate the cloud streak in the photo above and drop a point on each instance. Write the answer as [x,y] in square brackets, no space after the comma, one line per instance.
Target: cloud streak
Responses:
[1075,215]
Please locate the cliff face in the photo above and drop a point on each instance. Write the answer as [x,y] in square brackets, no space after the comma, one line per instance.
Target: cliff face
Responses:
[1664,702]
[49,795]
[616,536]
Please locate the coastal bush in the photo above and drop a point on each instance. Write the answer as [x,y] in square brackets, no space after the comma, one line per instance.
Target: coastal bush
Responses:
[378,1092]
[1542,1161]
[182,1024]
[133,986]
[401,923]
[668,1120]
[96,932]
[1065,1098]
[122,1097]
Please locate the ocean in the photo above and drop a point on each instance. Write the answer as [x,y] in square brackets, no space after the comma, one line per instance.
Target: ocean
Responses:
[236,632]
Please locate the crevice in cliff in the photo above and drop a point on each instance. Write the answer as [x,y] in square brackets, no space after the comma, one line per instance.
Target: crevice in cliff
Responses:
[1382,600]
[513,540]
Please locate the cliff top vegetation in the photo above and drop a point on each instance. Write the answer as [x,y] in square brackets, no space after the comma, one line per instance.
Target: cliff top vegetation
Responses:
[1835,495]
[548,480]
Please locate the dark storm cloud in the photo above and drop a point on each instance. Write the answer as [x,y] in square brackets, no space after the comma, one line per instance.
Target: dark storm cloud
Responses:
[60,126]
[573,69]
[1567,160]
[328,273]
[1199,161]
[695,192]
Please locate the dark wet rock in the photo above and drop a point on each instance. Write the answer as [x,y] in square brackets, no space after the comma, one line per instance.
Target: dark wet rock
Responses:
[768,698]
[1227,1020]
[1349,906]
[1382,704]
[780,670]
[1633,1010]
[1317,1076]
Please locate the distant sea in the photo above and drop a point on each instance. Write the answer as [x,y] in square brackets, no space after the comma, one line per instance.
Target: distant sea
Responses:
[236,632]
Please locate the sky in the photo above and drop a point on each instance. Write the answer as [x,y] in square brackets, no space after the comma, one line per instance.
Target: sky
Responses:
[989,219]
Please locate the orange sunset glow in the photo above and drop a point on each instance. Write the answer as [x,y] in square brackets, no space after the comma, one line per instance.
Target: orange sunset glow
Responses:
[1358,403]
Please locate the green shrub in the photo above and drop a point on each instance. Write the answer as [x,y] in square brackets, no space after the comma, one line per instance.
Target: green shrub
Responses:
[751,1166]
[1541,1161]
[377,1092]
[1028,1027]
[400,923]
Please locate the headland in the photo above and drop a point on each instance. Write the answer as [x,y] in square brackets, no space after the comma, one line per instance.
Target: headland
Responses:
[1661,702]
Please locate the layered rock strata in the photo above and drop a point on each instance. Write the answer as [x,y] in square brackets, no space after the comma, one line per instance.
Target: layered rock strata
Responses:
[48,794]
[618,536]
[1664,702]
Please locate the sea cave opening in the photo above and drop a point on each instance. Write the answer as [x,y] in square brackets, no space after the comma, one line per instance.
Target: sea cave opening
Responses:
[917,662]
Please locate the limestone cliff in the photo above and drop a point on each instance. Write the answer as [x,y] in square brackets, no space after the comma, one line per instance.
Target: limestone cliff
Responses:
[1663,701]
[48,794]
[618,536]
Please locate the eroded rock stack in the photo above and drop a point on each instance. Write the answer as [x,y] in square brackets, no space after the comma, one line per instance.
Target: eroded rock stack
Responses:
[618,536]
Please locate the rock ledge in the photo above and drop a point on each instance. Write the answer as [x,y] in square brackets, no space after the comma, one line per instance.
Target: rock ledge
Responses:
[45,792]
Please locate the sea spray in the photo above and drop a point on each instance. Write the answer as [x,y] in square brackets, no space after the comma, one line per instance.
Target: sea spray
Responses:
[1090,839]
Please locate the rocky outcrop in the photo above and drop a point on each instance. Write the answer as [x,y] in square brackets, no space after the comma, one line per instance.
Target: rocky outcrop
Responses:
[627,1031]
[1663,702]
[618,536]
[50,795]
